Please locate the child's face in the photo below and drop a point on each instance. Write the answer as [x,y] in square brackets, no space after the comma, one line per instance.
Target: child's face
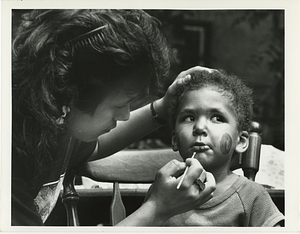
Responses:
[206,124]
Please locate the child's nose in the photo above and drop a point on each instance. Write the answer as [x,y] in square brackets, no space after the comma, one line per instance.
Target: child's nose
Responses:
[200,128]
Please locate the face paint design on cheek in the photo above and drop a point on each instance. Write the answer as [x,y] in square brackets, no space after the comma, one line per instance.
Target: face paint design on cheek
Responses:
[226,143]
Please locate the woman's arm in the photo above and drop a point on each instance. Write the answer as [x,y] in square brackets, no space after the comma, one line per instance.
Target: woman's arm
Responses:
[139,124]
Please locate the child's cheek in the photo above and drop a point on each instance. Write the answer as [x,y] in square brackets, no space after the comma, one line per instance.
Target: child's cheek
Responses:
[226,143]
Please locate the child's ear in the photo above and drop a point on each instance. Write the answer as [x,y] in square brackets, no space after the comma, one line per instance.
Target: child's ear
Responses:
[174,142]
[243,142]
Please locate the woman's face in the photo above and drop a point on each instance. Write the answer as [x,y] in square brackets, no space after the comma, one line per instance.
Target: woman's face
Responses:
[115,107]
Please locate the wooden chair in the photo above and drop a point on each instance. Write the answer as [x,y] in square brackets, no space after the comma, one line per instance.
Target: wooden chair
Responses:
[140,166]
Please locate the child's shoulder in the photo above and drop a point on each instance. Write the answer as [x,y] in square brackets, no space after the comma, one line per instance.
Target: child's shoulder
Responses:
[249,188]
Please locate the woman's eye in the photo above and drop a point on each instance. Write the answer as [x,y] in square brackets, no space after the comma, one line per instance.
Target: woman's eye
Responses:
[122,106]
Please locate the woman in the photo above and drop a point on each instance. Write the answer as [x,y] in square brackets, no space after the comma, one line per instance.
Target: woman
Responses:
[75,75]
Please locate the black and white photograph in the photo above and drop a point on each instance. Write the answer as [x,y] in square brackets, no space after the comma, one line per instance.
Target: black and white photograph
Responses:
[156,118]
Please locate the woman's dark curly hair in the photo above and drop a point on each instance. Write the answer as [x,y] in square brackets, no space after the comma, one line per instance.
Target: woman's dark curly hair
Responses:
[230,86]
[129,53]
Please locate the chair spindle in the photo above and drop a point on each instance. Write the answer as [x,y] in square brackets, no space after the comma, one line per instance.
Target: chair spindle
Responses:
[250,161]
[70,199]
[117,208]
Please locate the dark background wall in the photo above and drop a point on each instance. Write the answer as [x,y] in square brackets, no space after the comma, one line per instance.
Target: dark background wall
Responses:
[248,43]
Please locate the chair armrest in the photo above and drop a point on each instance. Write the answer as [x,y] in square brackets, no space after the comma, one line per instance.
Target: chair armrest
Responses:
[130,166]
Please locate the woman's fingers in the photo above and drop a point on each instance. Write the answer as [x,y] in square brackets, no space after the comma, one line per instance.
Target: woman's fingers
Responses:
[210,186]
[172,168]
[162,105]
[171,201]
[210,183]
[179,82]
[185,76]
[194,171]
[202,177]
[196,68]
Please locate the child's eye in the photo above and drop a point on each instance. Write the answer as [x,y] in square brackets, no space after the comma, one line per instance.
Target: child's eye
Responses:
[218,118]
[189,118]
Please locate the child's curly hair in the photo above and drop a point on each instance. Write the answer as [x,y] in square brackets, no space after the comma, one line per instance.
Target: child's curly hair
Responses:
[229,85]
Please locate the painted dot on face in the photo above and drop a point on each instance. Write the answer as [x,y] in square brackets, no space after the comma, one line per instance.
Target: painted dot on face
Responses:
[226,143]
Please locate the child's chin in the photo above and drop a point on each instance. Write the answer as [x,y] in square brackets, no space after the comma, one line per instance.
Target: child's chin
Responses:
[203,161]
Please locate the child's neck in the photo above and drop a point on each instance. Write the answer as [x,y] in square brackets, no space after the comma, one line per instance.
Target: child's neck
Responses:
[224,180]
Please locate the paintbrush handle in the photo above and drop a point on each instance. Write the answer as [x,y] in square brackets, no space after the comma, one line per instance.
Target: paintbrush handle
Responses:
[184,173]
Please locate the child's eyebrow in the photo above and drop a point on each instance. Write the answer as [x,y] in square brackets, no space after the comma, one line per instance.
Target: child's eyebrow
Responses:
[186,110]
[220,110]
[216,109]
[212,109]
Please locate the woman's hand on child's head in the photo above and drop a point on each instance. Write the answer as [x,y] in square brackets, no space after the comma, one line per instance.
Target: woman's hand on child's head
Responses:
[169,200]
[161,105]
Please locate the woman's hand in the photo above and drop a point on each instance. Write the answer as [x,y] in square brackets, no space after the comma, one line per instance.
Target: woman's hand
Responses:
[167,200]
[162,105]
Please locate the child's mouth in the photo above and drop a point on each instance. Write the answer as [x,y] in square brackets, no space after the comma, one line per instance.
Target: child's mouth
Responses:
[200,147]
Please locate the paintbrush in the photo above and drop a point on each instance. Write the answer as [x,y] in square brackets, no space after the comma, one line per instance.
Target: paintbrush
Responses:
[184,173]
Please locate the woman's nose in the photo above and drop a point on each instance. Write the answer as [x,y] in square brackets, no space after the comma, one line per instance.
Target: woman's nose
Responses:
[123,113]
[200,128]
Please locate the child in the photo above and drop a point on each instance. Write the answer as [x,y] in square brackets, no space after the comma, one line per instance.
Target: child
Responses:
[211,116]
